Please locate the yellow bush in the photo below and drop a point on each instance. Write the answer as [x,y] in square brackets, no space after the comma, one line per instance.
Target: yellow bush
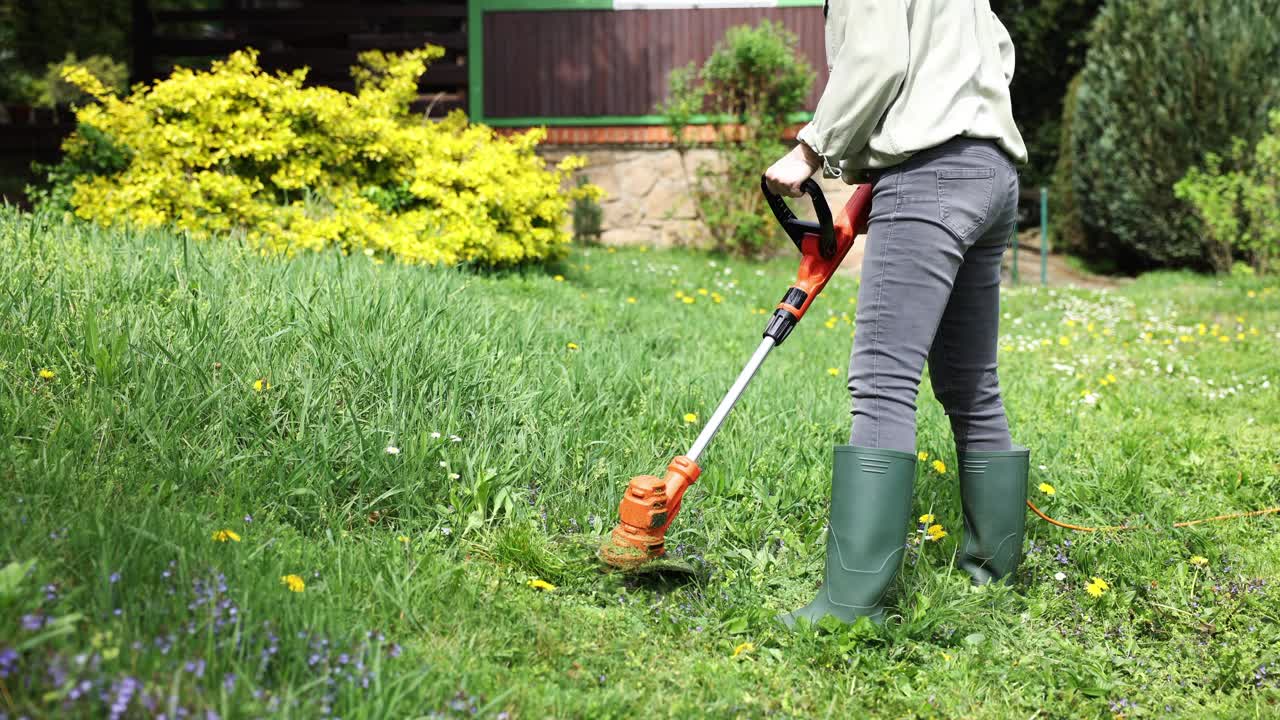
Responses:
[235,150]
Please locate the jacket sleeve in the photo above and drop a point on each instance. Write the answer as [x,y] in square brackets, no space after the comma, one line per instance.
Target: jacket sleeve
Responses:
[866,75]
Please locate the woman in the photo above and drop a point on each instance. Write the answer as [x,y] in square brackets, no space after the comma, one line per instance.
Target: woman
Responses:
[918,103]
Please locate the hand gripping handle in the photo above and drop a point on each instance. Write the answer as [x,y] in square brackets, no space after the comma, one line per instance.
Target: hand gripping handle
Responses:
[796,228]
[823,246]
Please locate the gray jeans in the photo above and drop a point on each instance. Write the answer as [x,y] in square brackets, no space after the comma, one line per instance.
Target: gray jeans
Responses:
[930,288]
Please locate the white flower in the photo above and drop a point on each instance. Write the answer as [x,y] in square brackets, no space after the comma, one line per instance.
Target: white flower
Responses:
[444,464]
[1059,576]
[454,476]
[455,438]
[393,450]
[446,531]
[435,436]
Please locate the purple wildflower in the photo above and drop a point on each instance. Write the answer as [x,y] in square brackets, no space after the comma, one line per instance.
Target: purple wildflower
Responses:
[31,623]
[8,662]
[125,690]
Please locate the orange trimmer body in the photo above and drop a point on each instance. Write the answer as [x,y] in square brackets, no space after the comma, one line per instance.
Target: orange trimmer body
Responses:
[651,503]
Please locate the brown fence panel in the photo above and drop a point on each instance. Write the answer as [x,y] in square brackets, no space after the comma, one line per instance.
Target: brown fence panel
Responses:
[604,62]
[324,35]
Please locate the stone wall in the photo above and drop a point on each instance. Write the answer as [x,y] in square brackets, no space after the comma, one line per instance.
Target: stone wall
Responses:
[648,199]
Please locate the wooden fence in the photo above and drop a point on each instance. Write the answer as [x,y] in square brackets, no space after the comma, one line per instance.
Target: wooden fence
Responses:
[324,35]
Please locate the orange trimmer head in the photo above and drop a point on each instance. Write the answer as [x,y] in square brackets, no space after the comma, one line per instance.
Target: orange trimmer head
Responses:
[651,503]
[647,509]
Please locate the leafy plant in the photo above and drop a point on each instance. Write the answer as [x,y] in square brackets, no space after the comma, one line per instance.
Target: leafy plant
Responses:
[1166,81]
[588,216]
[1051,39]
[753,80]
[56,91]
[1238,200]
[237,151]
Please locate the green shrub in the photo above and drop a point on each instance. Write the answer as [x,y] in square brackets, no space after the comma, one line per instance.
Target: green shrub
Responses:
[56,91]
[588,217]
[749,85]
[1068,226]
[1238,200]
[1051,38]
[237,152]
[1165,82]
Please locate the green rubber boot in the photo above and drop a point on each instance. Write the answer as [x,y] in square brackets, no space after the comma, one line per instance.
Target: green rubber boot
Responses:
[866,538]
[993,493]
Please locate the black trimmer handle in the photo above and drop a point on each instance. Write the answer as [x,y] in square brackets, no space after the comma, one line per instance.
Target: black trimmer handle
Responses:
[795,228]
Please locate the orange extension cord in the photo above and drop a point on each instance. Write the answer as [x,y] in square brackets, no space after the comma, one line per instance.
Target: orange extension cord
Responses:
[1117,528]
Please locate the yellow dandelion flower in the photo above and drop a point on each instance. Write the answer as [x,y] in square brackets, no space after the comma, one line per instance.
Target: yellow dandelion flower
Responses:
[1096,587]
[611,250]
[927,518]
[1240,336]
[939,467]
[690,418]
[572,346]
[1064,341]
[1071,323]
[631,301]
[935,533]
[1252,294]
[295,583]
[261,384]
[702,291]
[679,294]
[745,647]
[225,535]
[833,372]
[688,299]
[403,539]
[945,656]
[922,455]
[558,278]
[1224,338]
[1199,560]
[47,374]
[1047,489]
[540,584]
[1253,331]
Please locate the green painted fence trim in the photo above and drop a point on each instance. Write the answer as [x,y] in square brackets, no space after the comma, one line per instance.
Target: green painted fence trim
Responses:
[609,120]
[475,63]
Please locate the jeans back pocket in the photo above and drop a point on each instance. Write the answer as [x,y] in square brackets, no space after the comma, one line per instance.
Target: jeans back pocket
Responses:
[964,198]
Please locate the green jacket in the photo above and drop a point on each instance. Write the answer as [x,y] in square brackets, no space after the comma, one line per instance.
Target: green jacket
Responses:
[908,75]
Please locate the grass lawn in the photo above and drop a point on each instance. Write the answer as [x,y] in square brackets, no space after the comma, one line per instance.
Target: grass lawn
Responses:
[323,486]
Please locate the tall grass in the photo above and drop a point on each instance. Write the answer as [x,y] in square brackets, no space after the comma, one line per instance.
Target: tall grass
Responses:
[418,445]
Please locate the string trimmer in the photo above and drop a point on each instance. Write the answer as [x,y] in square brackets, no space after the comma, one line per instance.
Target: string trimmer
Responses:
[651,503]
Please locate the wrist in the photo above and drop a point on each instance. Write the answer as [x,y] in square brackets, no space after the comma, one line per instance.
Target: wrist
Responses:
[809,154]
